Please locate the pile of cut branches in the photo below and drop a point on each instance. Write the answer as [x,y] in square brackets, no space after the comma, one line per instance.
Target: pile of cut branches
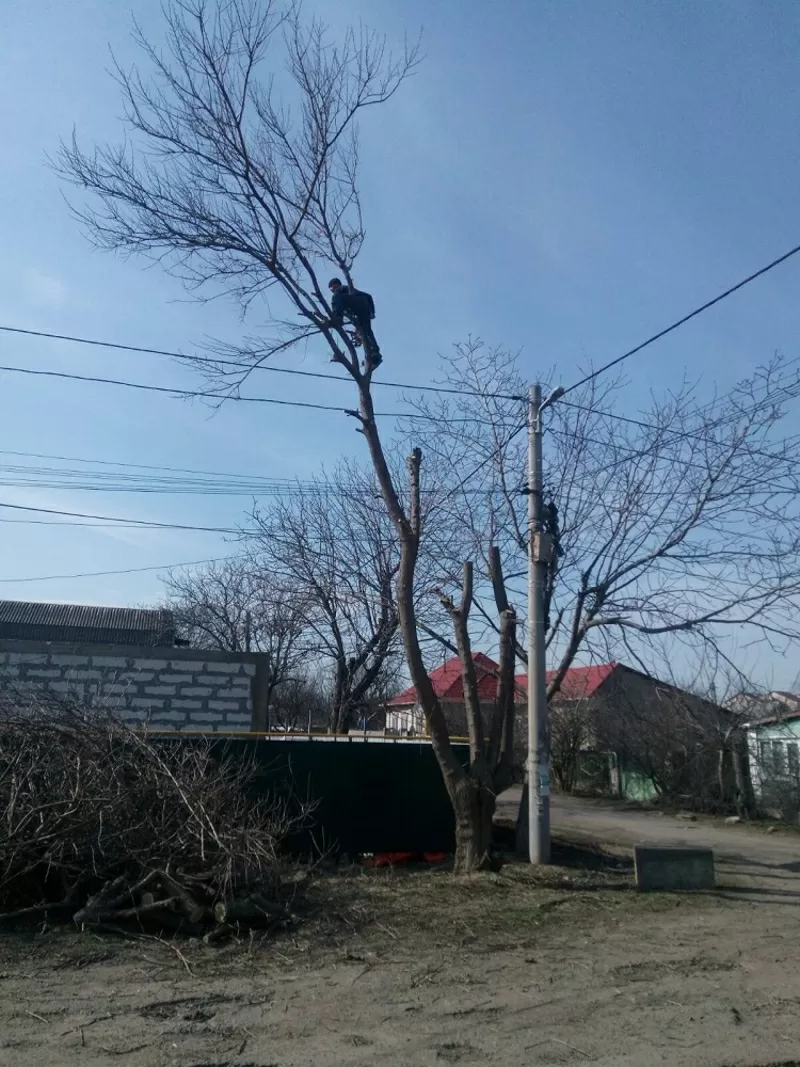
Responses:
[114,828]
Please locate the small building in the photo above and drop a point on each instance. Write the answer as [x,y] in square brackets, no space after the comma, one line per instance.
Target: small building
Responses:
[126,661]
[613,728]
[404,714]
[773,742]
[22,620]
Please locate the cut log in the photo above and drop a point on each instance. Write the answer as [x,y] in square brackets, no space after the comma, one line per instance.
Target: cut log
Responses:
[192,908]
[219,933]
[252,910]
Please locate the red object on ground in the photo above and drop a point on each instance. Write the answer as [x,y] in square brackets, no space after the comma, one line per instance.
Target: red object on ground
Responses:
[395,859]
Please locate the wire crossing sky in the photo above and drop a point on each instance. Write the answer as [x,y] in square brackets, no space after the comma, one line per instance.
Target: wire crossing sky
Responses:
[624,164]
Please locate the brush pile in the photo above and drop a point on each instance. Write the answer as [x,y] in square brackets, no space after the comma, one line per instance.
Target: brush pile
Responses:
[113,828]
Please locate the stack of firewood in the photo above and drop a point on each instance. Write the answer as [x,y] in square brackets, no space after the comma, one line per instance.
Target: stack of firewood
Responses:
[162,903]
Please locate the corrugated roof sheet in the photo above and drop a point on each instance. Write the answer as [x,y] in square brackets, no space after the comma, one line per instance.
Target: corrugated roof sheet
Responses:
[578,684]
[22,620]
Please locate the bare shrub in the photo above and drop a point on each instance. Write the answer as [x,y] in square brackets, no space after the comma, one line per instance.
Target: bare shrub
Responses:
[106,824]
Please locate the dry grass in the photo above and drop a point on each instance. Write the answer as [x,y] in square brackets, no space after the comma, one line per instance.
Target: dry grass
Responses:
[405,908]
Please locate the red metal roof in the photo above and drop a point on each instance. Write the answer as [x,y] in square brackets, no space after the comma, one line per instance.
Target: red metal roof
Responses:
[579,682]
[446,681]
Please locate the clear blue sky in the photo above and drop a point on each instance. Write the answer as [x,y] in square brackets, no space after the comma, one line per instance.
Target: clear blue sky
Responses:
[561,177]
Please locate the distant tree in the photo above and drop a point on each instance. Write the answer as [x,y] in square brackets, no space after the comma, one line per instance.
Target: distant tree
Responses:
[301,703]
[238,607]
[333,545]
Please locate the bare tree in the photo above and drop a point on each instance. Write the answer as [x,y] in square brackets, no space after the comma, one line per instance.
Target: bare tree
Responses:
[570,733]
[679,529]
[334,545]
[228,184]
[302,703]
[238,607]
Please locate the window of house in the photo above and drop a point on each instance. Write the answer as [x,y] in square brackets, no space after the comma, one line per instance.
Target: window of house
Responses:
[765,755]
[793,759]
[778,757]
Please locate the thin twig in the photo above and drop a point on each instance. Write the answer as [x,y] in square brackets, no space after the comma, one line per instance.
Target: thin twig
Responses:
[566,1044]
[178,953]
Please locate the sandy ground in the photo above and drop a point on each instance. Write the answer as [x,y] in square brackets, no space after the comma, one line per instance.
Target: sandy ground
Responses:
[413,968]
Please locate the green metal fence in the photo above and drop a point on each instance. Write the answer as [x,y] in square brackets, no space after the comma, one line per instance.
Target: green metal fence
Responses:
[372,795]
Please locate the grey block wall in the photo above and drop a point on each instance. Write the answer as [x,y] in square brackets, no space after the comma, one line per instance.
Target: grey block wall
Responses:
[170,688]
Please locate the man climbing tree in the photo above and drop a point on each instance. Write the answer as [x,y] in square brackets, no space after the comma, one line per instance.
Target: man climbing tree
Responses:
[360,310]
[231,187]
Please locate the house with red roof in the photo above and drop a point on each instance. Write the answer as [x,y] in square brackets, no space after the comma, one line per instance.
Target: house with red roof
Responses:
[633,733]
[404,715]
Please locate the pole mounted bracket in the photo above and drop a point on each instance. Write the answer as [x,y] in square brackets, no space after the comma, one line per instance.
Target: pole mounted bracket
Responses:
[542,548]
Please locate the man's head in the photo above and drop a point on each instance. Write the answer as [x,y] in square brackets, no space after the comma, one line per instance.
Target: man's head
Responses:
[335,285]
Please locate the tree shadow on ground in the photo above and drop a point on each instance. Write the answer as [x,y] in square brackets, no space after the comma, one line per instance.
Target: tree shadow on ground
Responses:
[570,854]
[588,858]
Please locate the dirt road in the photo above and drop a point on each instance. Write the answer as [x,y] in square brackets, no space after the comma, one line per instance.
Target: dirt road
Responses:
[750,863]
[422,970]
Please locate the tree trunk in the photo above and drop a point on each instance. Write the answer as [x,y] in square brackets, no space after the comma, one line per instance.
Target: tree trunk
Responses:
[473,800]
[745,797]
[722,781]
[473,804]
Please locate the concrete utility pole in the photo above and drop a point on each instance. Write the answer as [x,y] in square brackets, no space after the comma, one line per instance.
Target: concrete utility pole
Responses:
[539,555]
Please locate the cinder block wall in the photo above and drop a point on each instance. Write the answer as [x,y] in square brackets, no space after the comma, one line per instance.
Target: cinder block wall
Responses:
[173,688]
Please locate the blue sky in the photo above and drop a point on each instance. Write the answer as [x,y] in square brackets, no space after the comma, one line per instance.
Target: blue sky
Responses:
[564,178]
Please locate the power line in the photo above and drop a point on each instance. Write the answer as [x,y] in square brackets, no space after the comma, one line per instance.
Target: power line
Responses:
[685,319]
[791,391]
[482,464]
[61,478]
[222,397]
[176,392]
[103,574]
[139,524]
[120,463]
[213,362]
[89,525]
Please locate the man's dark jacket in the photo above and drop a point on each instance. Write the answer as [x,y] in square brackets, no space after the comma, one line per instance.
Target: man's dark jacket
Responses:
[353,303]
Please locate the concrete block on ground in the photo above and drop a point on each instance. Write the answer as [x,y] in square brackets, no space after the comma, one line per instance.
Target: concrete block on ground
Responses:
[665,868]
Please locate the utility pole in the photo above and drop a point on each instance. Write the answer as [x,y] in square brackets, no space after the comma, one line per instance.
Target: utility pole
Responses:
[539,556]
